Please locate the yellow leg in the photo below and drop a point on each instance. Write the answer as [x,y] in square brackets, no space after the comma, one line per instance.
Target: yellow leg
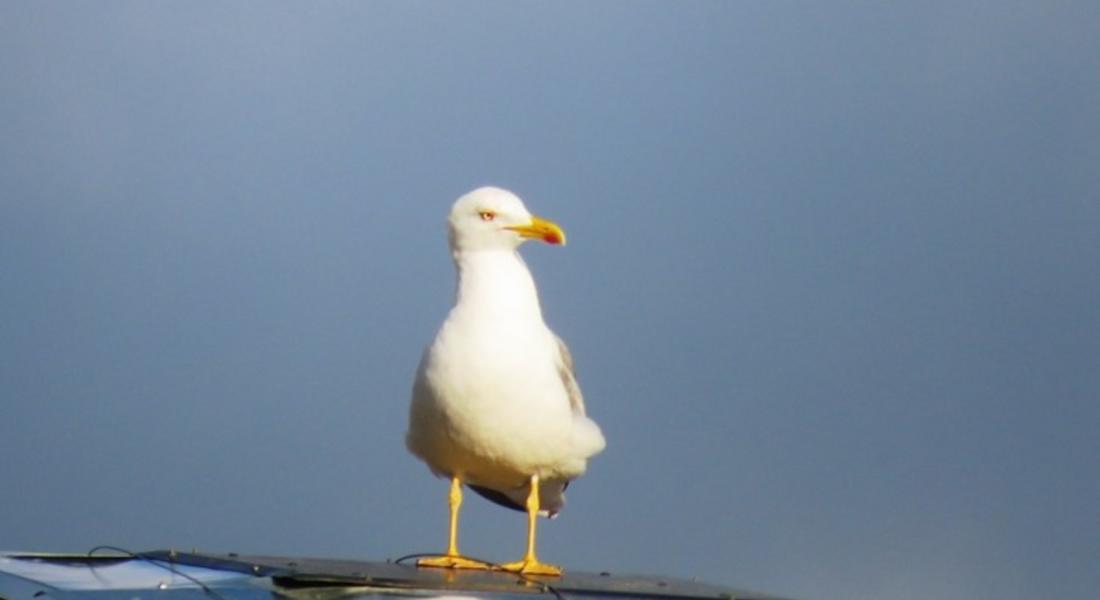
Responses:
[530,564]
[452,560]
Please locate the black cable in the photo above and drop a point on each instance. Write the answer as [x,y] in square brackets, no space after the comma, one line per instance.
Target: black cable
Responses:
[492,566]
[162,564]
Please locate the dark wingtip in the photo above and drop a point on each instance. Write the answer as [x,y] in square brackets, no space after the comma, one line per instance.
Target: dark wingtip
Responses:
[497,498]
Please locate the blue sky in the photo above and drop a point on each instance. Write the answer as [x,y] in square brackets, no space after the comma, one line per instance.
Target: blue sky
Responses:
[831,283]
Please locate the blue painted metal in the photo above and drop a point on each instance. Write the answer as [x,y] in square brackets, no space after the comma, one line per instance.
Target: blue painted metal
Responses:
[170,575]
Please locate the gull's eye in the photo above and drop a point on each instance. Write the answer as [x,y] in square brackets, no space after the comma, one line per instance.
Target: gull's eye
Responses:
[486,215]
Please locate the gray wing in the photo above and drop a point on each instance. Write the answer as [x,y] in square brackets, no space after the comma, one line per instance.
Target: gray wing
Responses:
[568,379]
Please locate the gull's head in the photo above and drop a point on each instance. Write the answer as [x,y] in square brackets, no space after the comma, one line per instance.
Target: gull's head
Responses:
[491,218]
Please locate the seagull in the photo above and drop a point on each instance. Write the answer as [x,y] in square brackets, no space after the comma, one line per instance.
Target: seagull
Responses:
[495,404]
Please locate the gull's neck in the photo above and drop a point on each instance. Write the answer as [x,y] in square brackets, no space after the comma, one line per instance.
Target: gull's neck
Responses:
[495,283]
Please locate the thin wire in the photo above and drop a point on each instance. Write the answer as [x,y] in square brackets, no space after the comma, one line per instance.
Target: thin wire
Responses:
[495,567]
[167,565]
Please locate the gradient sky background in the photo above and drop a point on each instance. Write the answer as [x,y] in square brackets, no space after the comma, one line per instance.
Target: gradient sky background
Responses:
[832,282]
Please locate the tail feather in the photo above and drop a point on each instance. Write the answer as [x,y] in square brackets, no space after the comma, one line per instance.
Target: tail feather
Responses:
[552,499]
[498,498]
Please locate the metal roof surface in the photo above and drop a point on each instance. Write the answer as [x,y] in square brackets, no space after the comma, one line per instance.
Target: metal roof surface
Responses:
[169,575]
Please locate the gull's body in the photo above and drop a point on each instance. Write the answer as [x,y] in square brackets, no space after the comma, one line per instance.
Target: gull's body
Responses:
[495,404]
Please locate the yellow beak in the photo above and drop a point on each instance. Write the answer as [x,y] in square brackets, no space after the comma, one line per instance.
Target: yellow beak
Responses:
[547,231]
